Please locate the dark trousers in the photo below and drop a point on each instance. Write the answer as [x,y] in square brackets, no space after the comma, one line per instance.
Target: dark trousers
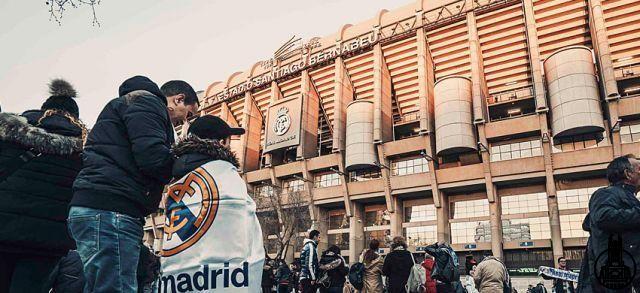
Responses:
[307,287]
[25,273]
[283,288]
[266,289]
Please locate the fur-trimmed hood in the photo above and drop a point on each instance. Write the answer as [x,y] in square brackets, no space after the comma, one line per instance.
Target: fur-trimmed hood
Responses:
[16,129]
[192,152]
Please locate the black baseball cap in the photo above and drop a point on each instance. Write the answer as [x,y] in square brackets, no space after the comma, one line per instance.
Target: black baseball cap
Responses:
[213,127]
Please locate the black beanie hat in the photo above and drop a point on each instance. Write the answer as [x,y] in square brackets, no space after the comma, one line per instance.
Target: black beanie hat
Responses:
[62,98]
[213,127]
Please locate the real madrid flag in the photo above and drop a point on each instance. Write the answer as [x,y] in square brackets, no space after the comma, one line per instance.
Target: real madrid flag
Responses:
[212,237]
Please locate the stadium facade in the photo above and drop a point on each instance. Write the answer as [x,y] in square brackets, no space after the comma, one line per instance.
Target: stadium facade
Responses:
[486,124]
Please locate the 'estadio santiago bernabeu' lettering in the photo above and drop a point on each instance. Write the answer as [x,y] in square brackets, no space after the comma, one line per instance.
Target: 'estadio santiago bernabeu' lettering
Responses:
[206,279]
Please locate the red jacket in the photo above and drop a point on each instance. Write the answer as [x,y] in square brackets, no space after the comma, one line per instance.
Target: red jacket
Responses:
[430,284]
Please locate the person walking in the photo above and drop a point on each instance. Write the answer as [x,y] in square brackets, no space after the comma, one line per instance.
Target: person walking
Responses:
[614,225]
[335,267]
[428,265]
[39,159]
[490,275]
[562,286]
[397,265]
[373,264]
[126,163]
[267,276]
[309,262]
[283,277]
[446,267]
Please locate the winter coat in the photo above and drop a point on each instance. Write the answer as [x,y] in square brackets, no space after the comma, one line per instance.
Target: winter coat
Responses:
[127,159]
[470,284]
[560,285]
[613,210]
[446,263]
[283,275]
[267,276]
[490,275]
[36,195]
[397,267]
[68,275]
[430,284]
[309,260]
[335,267]
[372,275]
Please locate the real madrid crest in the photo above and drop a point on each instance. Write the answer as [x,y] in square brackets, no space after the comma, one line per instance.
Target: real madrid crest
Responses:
[283,121]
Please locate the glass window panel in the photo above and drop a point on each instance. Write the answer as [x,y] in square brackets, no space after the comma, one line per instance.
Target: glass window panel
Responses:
[515,147]
[525,145]
[341,240]
[380,235]
[505,148]
[536,151]
[625,129]
[535,143]
[421,236]
[634,128]
[470,232]
[471,208]
[571,226]
[526,153]
[526,229]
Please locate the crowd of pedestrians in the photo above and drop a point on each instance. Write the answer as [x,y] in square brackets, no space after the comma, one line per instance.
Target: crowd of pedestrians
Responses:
[74,204]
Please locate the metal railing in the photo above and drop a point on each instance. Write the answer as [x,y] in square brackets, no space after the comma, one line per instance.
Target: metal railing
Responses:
[627,71]
[511,95]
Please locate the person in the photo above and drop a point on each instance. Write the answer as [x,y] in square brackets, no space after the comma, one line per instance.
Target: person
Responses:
[373,263]
[445,267]
[309,262]
[530,289]
[68,276]
[397,265]
[562,286]
[540,288]
[283,276]
[267,276]
[126,163]
[294,278]
[490,275]
[428,265]
[39,159]
[335,267]
[469,282]
[613,218]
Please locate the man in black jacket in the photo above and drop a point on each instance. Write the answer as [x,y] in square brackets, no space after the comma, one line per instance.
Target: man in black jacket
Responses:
[614,224]
[126,163]
[39,159]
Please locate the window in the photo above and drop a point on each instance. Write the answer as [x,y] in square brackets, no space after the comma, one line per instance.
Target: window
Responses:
[630,132]
[338,220]
[526,229]
[340,239]
[470,208]
[364,175]
[326,180]
[380,235]
[421,236]
[580,142]
[420,213]
[293,185]
[516,150]
[575,198]
[524,203]
[263,191]
[571,226]
[470,232]
[378,217]
[409,166]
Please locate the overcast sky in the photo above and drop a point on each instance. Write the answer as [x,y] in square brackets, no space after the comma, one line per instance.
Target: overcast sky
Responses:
[197,41]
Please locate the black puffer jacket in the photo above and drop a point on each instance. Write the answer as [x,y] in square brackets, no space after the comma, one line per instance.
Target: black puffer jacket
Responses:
[397,267]
[127,159]
[613,211]
[334,266]
[35,196]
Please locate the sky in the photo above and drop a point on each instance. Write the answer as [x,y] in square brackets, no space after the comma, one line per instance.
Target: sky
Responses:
[197,41]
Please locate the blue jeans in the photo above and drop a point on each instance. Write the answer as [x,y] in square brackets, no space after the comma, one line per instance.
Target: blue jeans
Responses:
[109,246]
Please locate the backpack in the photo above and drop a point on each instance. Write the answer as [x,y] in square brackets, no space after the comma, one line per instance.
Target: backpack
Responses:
[356,275]
[417,279]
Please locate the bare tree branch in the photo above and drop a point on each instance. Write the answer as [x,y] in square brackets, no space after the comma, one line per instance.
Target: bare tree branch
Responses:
[58,7]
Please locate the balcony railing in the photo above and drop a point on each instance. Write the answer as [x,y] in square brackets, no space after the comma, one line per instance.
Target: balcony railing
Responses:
[510,95]
[632,70]
[407,117]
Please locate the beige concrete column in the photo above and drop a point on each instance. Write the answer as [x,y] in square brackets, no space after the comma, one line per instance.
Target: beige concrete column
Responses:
[356,232]
[607,74]
[478,84]
[495,211]
[344,180]
[252,121]
[382,120]
[397,217]
[343,96]
[426,80]
[386,174]
[534,56]
[308,147]
[275,96]
[442,217]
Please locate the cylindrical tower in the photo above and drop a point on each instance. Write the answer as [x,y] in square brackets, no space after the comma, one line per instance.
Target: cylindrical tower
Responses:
[453,116]
[360,151]
[573,92]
